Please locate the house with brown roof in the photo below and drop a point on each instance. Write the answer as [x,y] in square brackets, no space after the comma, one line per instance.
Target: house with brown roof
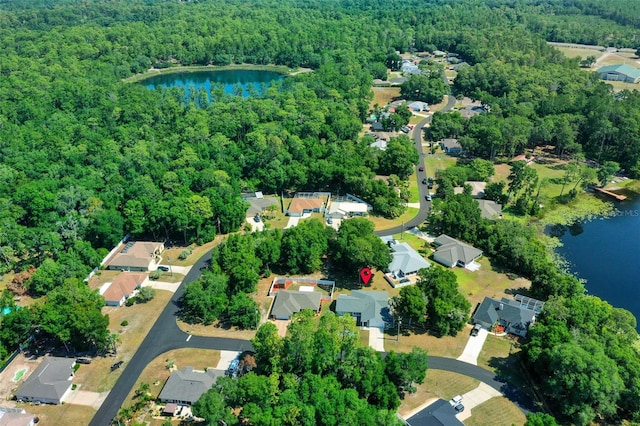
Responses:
[306,203]
[136,256]
[122,287]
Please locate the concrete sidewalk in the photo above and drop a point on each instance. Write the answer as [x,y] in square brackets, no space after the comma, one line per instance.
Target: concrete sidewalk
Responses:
[473,347]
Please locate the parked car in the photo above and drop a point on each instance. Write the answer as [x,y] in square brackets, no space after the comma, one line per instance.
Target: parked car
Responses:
[163,268]
[455,400]
[425,181]
[421,168]
[233,368]
[427,197]
[256,218]
[329,221]
[117,365]
[476,329]
[459,408]
[83,360]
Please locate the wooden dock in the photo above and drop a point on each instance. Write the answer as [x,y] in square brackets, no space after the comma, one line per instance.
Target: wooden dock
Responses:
[610,194]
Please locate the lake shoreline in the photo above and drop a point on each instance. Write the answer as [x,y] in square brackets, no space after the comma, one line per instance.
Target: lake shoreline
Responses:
[153,72]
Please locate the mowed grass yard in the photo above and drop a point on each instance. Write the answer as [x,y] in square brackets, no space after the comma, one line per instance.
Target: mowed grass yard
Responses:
[383,95]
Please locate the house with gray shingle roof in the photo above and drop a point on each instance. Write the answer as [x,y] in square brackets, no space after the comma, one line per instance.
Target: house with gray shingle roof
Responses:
[187,385]
[451,146]
[451,252]
[369,308]
[620,72]
[406,261]
[490,209]
[514,316]
[289,302]
[50,383]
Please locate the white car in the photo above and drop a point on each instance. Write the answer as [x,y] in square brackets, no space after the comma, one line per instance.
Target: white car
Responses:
[455,400]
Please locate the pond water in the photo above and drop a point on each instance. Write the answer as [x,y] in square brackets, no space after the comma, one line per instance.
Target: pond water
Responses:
[19,374]
[605,253]
[244,82]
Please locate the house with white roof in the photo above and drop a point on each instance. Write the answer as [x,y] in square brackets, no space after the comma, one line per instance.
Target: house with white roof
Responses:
[405,263]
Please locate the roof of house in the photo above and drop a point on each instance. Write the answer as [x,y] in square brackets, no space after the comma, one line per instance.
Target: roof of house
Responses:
[625,69]
[258,204]
[136,254]
[381,144]
[453,251]
[489,209]
[123,285]
[346,207]
[369,304]
[289,302]
[477,188]
[418,105]
[511,311]
[451,143]
[49,381]
[16,418]
[188,384]
[299,204]
[438,413]
[405,258]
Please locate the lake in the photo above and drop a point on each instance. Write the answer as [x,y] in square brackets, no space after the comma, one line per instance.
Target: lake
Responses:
[229,80]
[605,253]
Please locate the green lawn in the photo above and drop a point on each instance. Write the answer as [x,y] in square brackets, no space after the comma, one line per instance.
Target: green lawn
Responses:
[382,223]
[437,162]
[413,187]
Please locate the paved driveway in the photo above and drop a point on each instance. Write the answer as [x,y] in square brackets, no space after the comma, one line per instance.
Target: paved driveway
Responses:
[476,397]
[376,338]
[473,347]
[255,226]
[225,359]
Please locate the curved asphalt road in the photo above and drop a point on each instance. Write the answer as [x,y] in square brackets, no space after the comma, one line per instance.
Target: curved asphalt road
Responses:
[425,206]
[165,334]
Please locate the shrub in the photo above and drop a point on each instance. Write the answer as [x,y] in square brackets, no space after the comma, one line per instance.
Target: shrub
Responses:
[124,323]
[184,254]
[154,275]
[131,301]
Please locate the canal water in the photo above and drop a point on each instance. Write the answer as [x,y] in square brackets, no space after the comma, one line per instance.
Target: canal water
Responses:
[244,82]
[605,253]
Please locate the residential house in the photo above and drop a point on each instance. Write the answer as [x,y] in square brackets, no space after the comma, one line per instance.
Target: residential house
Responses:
[515,316]
[305,203]
[406,261]
[380,144]
[418,106]
[471,111]
[477,188]
[136,256]
[410,68]
[121,288]
[349,206]
[438,413]
[439,53]
[370,308]
[50,383]
[185,386]
[451,252]
[289,302]
[490,209]
[451,146]
[258,202]
[10,416]
[620,72]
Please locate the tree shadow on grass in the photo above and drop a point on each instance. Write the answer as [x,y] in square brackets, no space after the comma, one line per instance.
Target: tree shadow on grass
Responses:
[515,385]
